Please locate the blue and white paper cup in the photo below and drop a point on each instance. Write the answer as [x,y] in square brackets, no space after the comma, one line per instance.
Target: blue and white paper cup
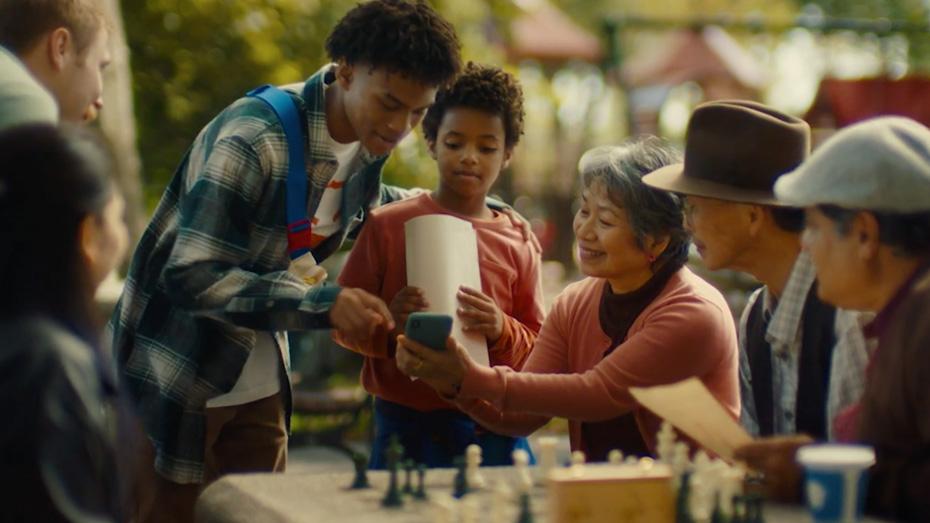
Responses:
[835,480]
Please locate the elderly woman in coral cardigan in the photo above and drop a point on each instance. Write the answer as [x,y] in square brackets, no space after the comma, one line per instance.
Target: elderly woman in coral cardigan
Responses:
[639,318]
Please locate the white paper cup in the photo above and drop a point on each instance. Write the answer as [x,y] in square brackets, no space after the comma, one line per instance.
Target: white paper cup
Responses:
[835,480]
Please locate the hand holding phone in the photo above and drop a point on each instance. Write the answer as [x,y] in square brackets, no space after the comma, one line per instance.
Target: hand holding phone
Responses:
[429,329]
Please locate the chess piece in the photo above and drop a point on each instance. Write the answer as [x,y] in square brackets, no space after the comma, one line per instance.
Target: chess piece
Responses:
[717,515]
[361,472]
[460,483]
[408,469]
[526,513]
[739,509]
[472,464]
[421,482]
[645,464]
[578,461]
[700,502]
[521,463]
[754,508]
[681,463]
[682,505]
[630,460]
[392,455]
[665,443]
[615,457]
[546,456]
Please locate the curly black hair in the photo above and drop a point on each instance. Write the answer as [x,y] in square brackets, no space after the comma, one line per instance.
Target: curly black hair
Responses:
[404,37]
[482,87]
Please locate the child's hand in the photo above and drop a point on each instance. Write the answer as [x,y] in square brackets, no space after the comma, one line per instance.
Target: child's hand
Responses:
[480,314]
[407,300]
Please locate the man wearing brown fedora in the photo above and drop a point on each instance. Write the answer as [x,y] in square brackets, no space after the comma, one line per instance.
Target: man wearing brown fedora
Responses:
[801,360]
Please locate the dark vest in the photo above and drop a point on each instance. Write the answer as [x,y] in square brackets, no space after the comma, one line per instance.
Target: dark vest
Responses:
[818,336]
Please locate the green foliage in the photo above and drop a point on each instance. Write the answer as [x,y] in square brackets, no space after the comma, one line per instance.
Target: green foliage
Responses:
[910,11]
[192,58]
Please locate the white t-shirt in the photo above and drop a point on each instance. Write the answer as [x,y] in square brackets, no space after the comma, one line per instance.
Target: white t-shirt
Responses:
[325,221]
[260,377]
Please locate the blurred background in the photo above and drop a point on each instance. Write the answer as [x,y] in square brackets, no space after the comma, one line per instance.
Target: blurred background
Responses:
[593,72]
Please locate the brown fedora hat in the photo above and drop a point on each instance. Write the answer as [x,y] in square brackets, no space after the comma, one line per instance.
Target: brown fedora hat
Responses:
[735,150]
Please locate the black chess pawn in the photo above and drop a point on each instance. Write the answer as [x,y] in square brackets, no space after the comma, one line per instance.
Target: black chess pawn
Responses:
[717,515]
[408,469]
[393,453]
[526,513]
[682,506]
[421,482]
[739,509]
[754,508]
[361,471]
[460,485]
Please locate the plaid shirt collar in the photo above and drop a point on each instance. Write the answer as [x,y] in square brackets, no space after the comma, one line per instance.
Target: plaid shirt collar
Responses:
[784,329]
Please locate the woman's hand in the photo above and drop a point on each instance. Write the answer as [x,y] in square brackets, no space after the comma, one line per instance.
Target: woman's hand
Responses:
[480,314]
[774,458]
[443,370]
[406,301]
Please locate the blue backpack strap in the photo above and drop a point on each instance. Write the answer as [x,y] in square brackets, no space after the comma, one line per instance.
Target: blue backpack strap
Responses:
[298,225]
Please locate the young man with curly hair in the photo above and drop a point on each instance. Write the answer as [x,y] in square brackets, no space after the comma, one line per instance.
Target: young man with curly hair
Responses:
[52,56]
[471,131]
[199,333]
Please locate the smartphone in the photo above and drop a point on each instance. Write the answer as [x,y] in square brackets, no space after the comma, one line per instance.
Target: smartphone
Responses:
[430,329]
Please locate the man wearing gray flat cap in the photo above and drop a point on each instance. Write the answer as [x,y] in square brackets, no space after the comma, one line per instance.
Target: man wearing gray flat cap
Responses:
[801,360]
[867,199]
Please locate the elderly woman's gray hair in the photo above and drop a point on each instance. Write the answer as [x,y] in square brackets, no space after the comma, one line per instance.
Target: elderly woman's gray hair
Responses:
[651,212]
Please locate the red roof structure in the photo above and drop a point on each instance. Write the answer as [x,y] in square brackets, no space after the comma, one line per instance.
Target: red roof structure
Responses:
[842,102]
[544,33]
[706,56]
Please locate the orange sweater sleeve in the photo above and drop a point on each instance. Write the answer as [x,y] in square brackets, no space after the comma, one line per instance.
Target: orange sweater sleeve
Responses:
[688,337]
[522,325]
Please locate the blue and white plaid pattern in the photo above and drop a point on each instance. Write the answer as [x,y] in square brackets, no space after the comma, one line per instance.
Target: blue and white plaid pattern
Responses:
[850,354]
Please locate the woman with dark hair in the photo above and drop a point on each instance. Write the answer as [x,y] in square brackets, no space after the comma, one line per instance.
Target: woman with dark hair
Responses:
[866,192]
[63,232]
[640,318]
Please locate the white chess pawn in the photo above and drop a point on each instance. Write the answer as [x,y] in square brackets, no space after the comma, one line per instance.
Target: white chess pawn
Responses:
[631,460]
[615,457]
[665,443]
[578,461]
[700,500]
[680,463]
[521,462]
[547,446]
[645,464]
[472,463]
[731,485]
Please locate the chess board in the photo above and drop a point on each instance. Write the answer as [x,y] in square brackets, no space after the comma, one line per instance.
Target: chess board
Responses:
[325,498]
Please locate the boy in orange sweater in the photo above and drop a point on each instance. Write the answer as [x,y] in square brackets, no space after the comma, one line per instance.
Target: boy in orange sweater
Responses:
[471,131]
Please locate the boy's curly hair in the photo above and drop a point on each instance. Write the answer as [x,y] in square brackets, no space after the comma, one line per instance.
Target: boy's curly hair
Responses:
[406,37]
[482,87]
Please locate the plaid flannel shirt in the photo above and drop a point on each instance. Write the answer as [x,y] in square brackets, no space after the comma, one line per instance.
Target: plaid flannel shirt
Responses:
[847,368]
[211,269]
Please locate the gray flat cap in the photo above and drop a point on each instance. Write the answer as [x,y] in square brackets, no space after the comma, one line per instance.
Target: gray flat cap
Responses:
[882,164]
